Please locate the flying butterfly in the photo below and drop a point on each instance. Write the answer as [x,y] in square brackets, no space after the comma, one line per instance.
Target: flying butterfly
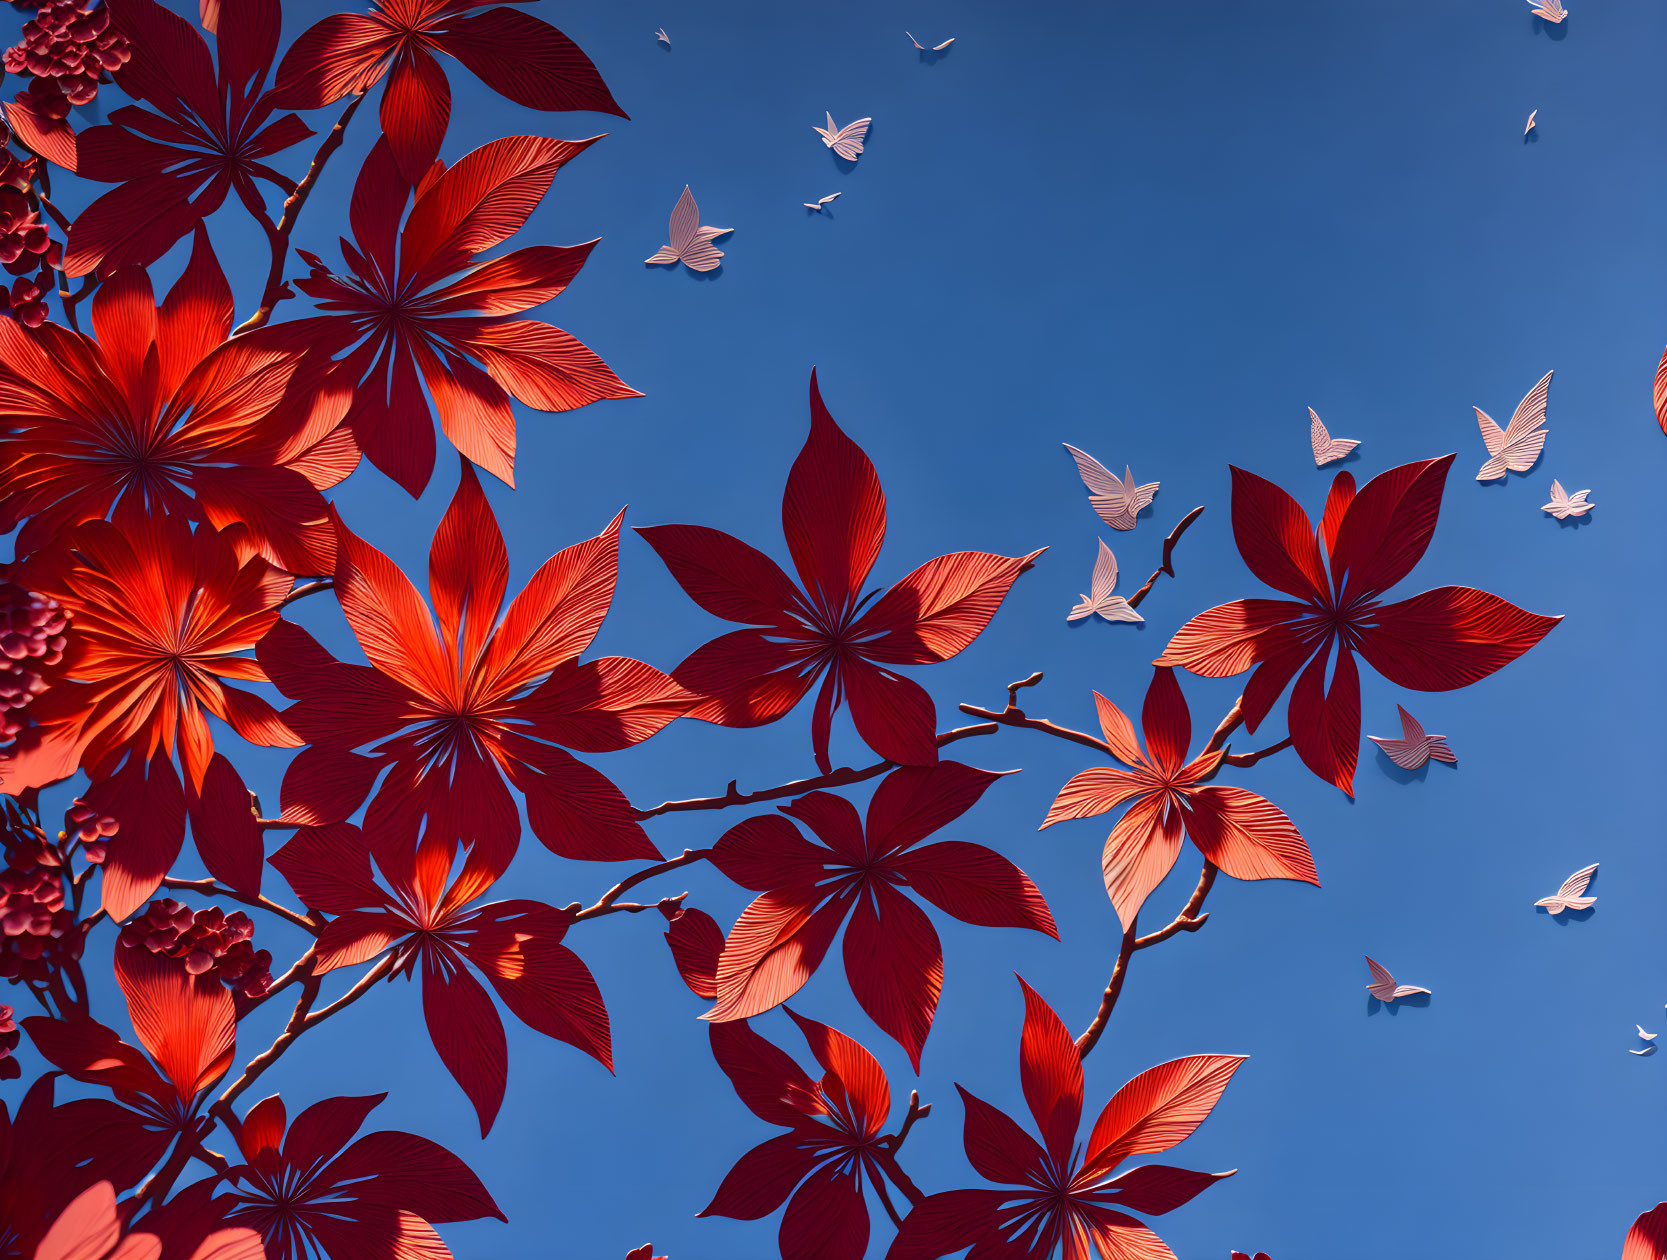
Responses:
[820,202]
[1118,502]
[1100,601]
[1515,447]
[1383,986]
[1571,896]
[1564,505]
[1327,449]
[1551,10]
[1414,748]
[934,47]
[690,244]
[846,141]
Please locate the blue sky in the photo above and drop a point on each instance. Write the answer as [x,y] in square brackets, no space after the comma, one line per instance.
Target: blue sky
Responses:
[1158,232]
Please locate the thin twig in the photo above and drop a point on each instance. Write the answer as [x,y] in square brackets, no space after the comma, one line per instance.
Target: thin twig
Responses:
[1190,918]
[917,1111]
[209,888]
[608,902]
[1108,1000]
[292,211]
[842,777]
[1168,555]
[1012,715]
[306,589]
[222,1108]
[1251,758]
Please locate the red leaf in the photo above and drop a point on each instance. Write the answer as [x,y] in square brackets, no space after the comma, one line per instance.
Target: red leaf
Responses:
[748,677]
[833,513]
[767,852]
[826,1219]
[1158,1188]
[1325,725]
[468,1036]
[1387,527]
[894,715]
[403,1172]
[516,944]
[90,1052]
[88,1229]
[944,1223]
[357,936]
[416,107]
[543,366]
[725,576]
[1230,638]
[1647,1239]
[529,61]
[1139,852]
[773,1087]
[774,947]
[329,868]
[1050,1072]
[763,1178]
[148,802]
[468,570]
[340,54]
[575,810]
[1276,538]
[1094,791]
[389,618]
[1166,722]
[1158,1109]
[224,829]
[914,801]
[935,611]
[1660,393]
[324,785]
[1336,505]
[976,885]
[894,962]
[696,942]
[604,705]
[997,1148]
[1449,638]
[1246,836]
[186,1023]
[854,1084]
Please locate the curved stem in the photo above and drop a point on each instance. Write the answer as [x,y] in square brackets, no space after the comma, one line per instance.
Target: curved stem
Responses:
[1251,758]
[279,237]
[306,589]
[609,902]
[1168,555]
[1108,1000]
[841,777]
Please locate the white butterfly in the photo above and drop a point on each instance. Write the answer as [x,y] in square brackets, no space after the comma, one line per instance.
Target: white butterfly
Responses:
[1518,444]
[1327,449]
[663,37]
[1383,986]
[1414,747]
[934,48]
[1569,896]
[690,244]
[1530,125]
[1564,505]
[1551,10]
[847,140]
[820,202]
[1117,502]
[1645,1035]
[1100,599]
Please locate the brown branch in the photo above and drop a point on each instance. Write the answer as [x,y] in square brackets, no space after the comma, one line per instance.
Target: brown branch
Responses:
[1189,919]
[1251,758]
[1012,715]
[279,238]
[306,589]
[842,777]
[917,1111]
[1168,555]
[1229,724]
[1108,1000]
[209,888]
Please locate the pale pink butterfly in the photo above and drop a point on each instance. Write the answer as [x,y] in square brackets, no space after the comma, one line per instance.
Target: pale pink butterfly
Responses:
[847,140]
[1414,747]
[1551,10]
[663,37]
[1564,505]
[1327,449]
[1515,447]
[1530,125]
[1383,986]
[820,202]
[923,48]
[1645,1036]
[1118,502]
[690,244]
[1100,599]
[1572,895]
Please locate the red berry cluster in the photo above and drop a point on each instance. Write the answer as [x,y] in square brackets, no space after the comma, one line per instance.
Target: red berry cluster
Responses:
[9,1037]
[68,47]
[38,932]
[31,638]
[210,943]
[26,300]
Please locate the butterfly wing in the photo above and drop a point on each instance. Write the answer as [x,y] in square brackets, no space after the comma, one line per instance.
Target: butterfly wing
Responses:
[1139,498]
[1104,581]
[1575,885]
[1412,730]
[847,141]
[1116,608]
[1080,610]
[916,42]
[1408,990]
[1435,747]
[1525,435]
[1383,984]
[700,254]
[944,45]
[827,133]
[685,221]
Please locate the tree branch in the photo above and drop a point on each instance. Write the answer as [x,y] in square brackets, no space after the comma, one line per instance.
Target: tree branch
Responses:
[1168,555]
[1013,715]
[1251,758]
[609,902]
[209,888]
[306,589]
[842,777]
[279,239]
